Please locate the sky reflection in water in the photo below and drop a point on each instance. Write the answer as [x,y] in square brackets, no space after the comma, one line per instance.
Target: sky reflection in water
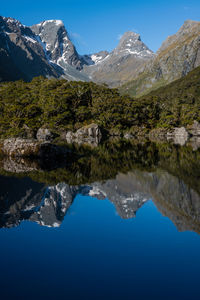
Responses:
[95,254]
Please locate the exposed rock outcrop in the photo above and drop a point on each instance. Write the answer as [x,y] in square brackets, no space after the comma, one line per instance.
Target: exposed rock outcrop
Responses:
[178,135]
[44,135]
[18,165]
[43,49]
[178,55]
[17,147]
[90,134]
[123,63]
[194,130]
[21,55]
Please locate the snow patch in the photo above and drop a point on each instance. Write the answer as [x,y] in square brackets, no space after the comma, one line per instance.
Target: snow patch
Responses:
[56,22]
[96,59]
[95,191]
[44,46]
[56,224]
[28,38]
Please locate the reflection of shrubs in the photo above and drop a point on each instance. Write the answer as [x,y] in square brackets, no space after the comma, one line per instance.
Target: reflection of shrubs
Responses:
[87,165]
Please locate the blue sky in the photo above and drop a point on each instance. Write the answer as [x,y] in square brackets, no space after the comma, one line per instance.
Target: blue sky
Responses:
[97,25]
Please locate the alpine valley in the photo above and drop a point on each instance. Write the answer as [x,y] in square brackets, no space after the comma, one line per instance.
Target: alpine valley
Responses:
[46,49]
[99,165]
[50,92]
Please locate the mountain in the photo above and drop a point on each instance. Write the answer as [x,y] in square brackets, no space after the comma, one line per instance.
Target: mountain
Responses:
[43,49]
[19,198]
[59,49]
[46,49]
[95,58]
[21,55]
[48,206]
[123,63]
[178,55]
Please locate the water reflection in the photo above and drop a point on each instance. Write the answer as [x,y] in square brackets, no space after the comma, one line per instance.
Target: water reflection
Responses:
[127,173]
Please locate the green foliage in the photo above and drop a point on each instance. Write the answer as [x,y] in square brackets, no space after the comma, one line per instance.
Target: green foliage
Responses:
[60,105]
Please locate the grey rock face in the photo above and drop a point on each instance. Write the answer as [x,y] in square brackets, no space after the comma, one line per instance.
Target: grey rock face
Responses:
[55,40]
[18,165]
[122,193]
[96,58]
[18,199]
[195,129]
[20,147]
[123,63]
[130,43]
[56,201]
[90,134]
[44,49]
[44,134]
[21,56]
[178,55]
[179,136]
[17,147]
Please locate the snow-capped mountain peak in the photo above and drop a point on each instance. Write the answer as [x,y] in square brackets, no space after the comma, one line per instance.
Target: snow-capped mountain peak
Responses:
[130,43]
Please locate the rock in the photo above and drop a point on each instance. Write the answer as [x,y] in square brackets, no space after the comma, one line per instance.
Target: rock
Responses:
[90,134]
[22,54]
[158,135]
[178,55]
[128,136]
[194,142]
[17,147]
[28,132]
[123,63]
[70,135]
[179,136]
[179,131]
[91,130]
[20,147]
[195,129]
[18,165]
[44,134]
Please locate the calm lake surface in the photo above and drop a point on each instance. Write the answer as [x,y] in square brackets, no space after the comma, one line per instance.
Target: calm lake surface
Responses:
[118,222]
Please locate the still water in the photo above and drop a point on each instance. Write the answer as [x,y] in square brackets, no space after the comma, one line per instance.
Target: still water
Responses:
[126,229]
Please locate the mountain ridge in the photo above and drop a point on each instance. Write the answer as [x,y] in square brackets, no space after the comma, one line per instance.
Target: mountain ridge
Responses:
[46,49]
[50,44]
[178,55]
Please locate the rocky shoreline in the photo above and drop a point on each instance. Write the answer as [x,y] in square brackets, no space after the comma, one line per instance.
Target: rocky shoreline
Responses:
[44,144]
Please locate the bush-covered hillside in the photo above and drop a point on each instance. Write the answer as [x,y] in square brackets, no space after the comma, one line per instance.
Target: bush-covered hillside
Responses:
[62,105]
[179,102]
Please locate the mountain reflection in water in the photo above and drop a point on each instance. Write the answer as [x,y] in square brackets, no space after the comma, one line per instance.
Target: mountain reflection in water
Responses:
[127,173]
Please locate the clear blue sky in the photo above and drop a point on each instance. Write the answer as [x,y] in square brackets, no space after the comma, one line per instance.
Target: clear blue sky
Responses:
[96,25]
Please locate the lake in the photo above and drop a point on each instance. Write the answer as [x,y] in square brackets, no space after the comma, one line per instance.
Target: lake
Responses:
[120,221]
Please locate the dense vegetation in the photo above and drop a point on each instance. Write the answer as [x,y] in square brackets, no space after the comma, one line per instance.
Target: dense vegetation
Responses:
[179,102]
[62,105]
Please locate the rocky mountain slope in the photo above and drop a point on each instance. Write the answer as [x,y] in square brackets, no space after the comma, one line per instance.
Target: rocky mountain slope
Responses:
[123,63]
[46,49]
[178,55]
[21,55]
[43,49]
